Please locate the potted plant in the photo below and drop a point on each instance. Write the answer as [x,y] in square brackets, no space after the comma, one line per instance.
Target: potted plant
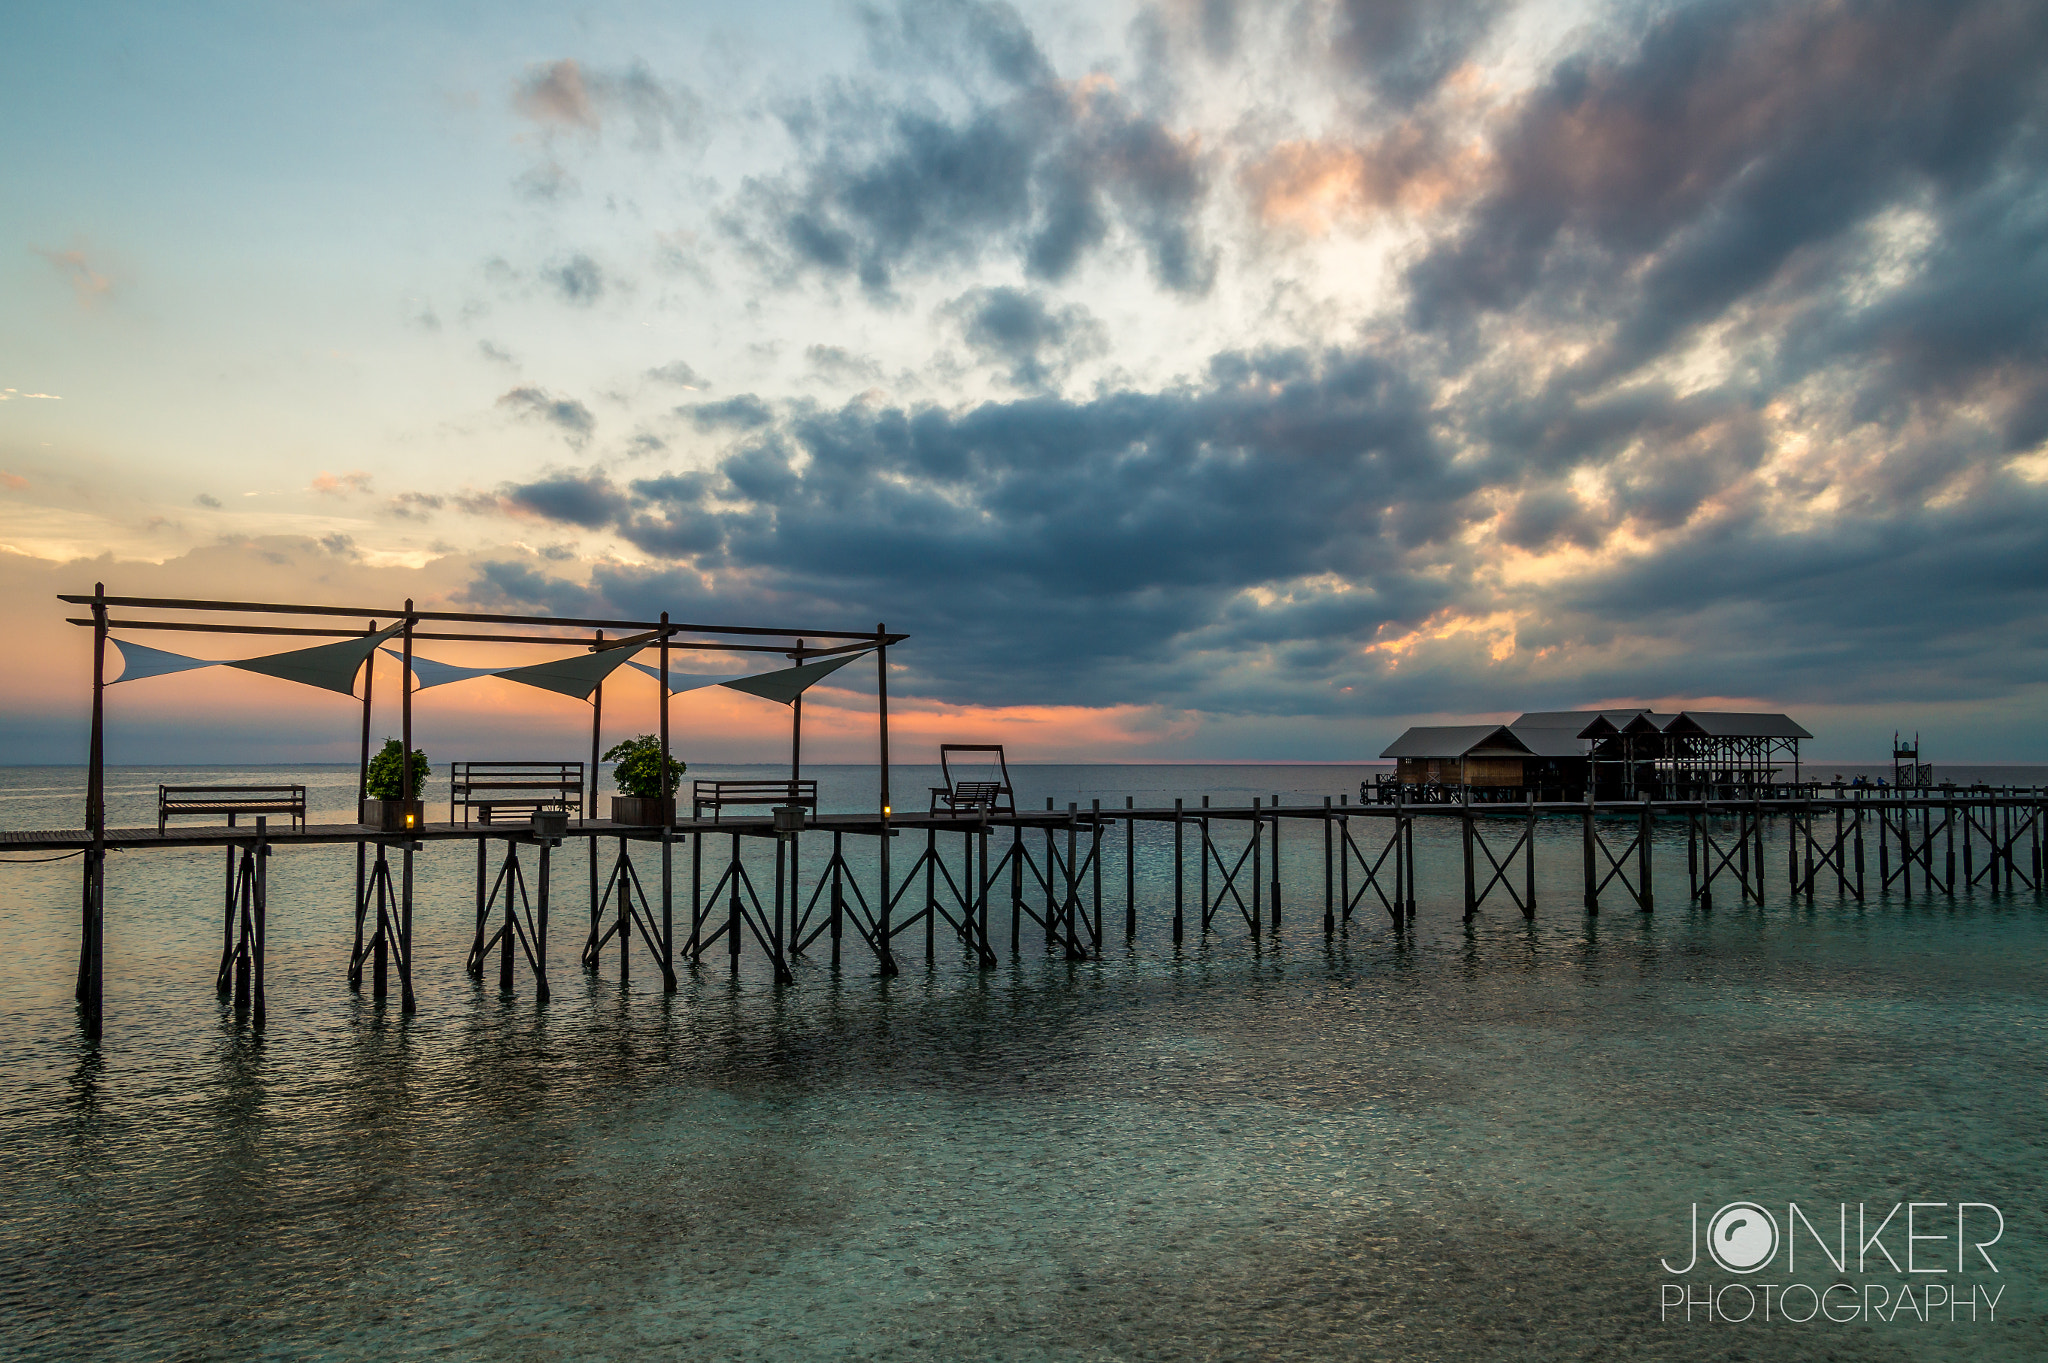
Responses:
[646,793]
[388,805]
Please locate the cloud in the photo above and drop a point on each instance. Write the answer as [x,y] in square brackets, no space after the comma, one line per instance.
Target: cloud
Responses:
[414,506]
[341,484]
[554,93]
[495,354]
[588,501]
[1037,341]
[13,482]
[89,284]
[563,95]
[837,364]
[578,280]
[207,500]
[743,413]
[1032,168]
[678,373]
[567,415]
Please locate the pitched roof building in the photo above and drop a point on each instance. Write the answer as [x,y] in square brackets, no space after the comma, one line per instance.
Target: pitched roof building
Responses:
[1557,754]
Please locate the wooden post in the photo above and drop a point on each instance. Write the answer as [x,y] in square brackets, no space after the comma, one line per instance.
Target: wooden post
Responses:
[1095,861]
[1258,841]
[261,905]
[670,789]
[406,1003]
[979,838]
[476,940]
[1409,842]
[1275,872]
[1072,901]
[1204,859]
[511,930]
[734,912]
[540,931]
[838,902]
[1179,877]
[1344,859]
[1016,890]
[1858,834]
[1130,873]
[1465,831]
[1587,836]
[355,970]
[1648,897]
[591,804]
[885,939]
[1051,855]
[1329,876]
[1529,861]
[92,934]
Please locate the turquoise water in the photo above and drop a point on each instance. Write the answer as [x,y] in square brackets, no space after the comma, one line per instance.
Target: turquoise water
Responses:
[1445,1143]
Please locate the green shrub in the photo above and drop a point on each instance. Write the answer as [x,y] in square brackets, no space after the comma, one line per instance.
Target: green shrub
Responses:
[639,769]
[386,775]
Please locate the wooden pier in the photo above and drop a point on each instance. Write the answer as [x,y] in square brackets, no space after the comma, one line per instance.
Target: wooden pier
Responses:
[1033,881]
[967,867]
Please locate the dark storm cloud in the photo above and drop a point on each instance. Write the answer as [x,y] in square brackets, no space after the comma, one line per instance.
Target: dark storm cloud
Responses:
[1036,340]
[1695,167]
[1011,161]
[1049,545]
[1405,48]
[574,500]
[1744,317]
[499,585]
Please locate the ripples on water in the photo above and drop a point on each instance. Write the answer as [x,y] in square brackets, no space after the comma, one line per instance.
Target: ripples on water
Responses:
[1444,1144]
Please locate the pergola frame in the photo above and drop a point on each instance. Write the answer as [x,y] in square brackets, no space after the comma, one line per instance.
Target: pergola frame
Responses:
[554,631]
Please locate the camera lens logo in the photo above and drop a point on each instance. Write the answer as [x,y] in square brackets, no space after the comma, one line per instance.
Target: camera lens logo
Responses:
[1742,1237]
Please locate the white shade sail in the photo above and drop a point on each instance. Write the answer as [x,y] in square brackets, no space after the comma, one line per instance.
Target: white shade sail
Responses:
[786,684]
[331,667]
[577,676]
[139,661]
[428,673]
[689,681]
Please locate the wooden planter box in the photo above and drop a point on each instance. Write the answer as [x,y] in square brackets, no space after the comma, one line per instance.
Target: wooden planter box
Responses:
[389,815]
[643,811]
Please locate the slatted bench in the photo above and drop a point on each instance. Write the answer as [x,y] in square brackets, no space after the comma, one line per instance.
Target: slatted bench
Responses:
[716,795]
[172,801]
[524,787]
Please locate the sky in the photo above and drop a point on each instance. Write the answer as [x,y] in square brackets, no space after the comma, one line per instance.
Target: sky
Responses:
[1206,379]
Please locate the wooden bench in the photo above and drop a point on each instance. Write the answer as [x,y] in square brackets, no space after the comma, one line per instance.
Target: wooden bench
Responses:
[716,795]
[525,787]
[980,798]
[230,800]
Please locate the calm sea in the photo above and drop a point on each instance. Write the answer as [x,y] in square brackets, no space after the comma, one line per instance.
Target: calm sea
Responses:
[1454,1142]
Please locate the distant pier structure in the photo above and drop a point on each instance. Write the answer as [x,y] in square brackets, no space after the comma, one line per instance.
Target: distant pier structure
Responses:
[974,868]
[1609,754]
